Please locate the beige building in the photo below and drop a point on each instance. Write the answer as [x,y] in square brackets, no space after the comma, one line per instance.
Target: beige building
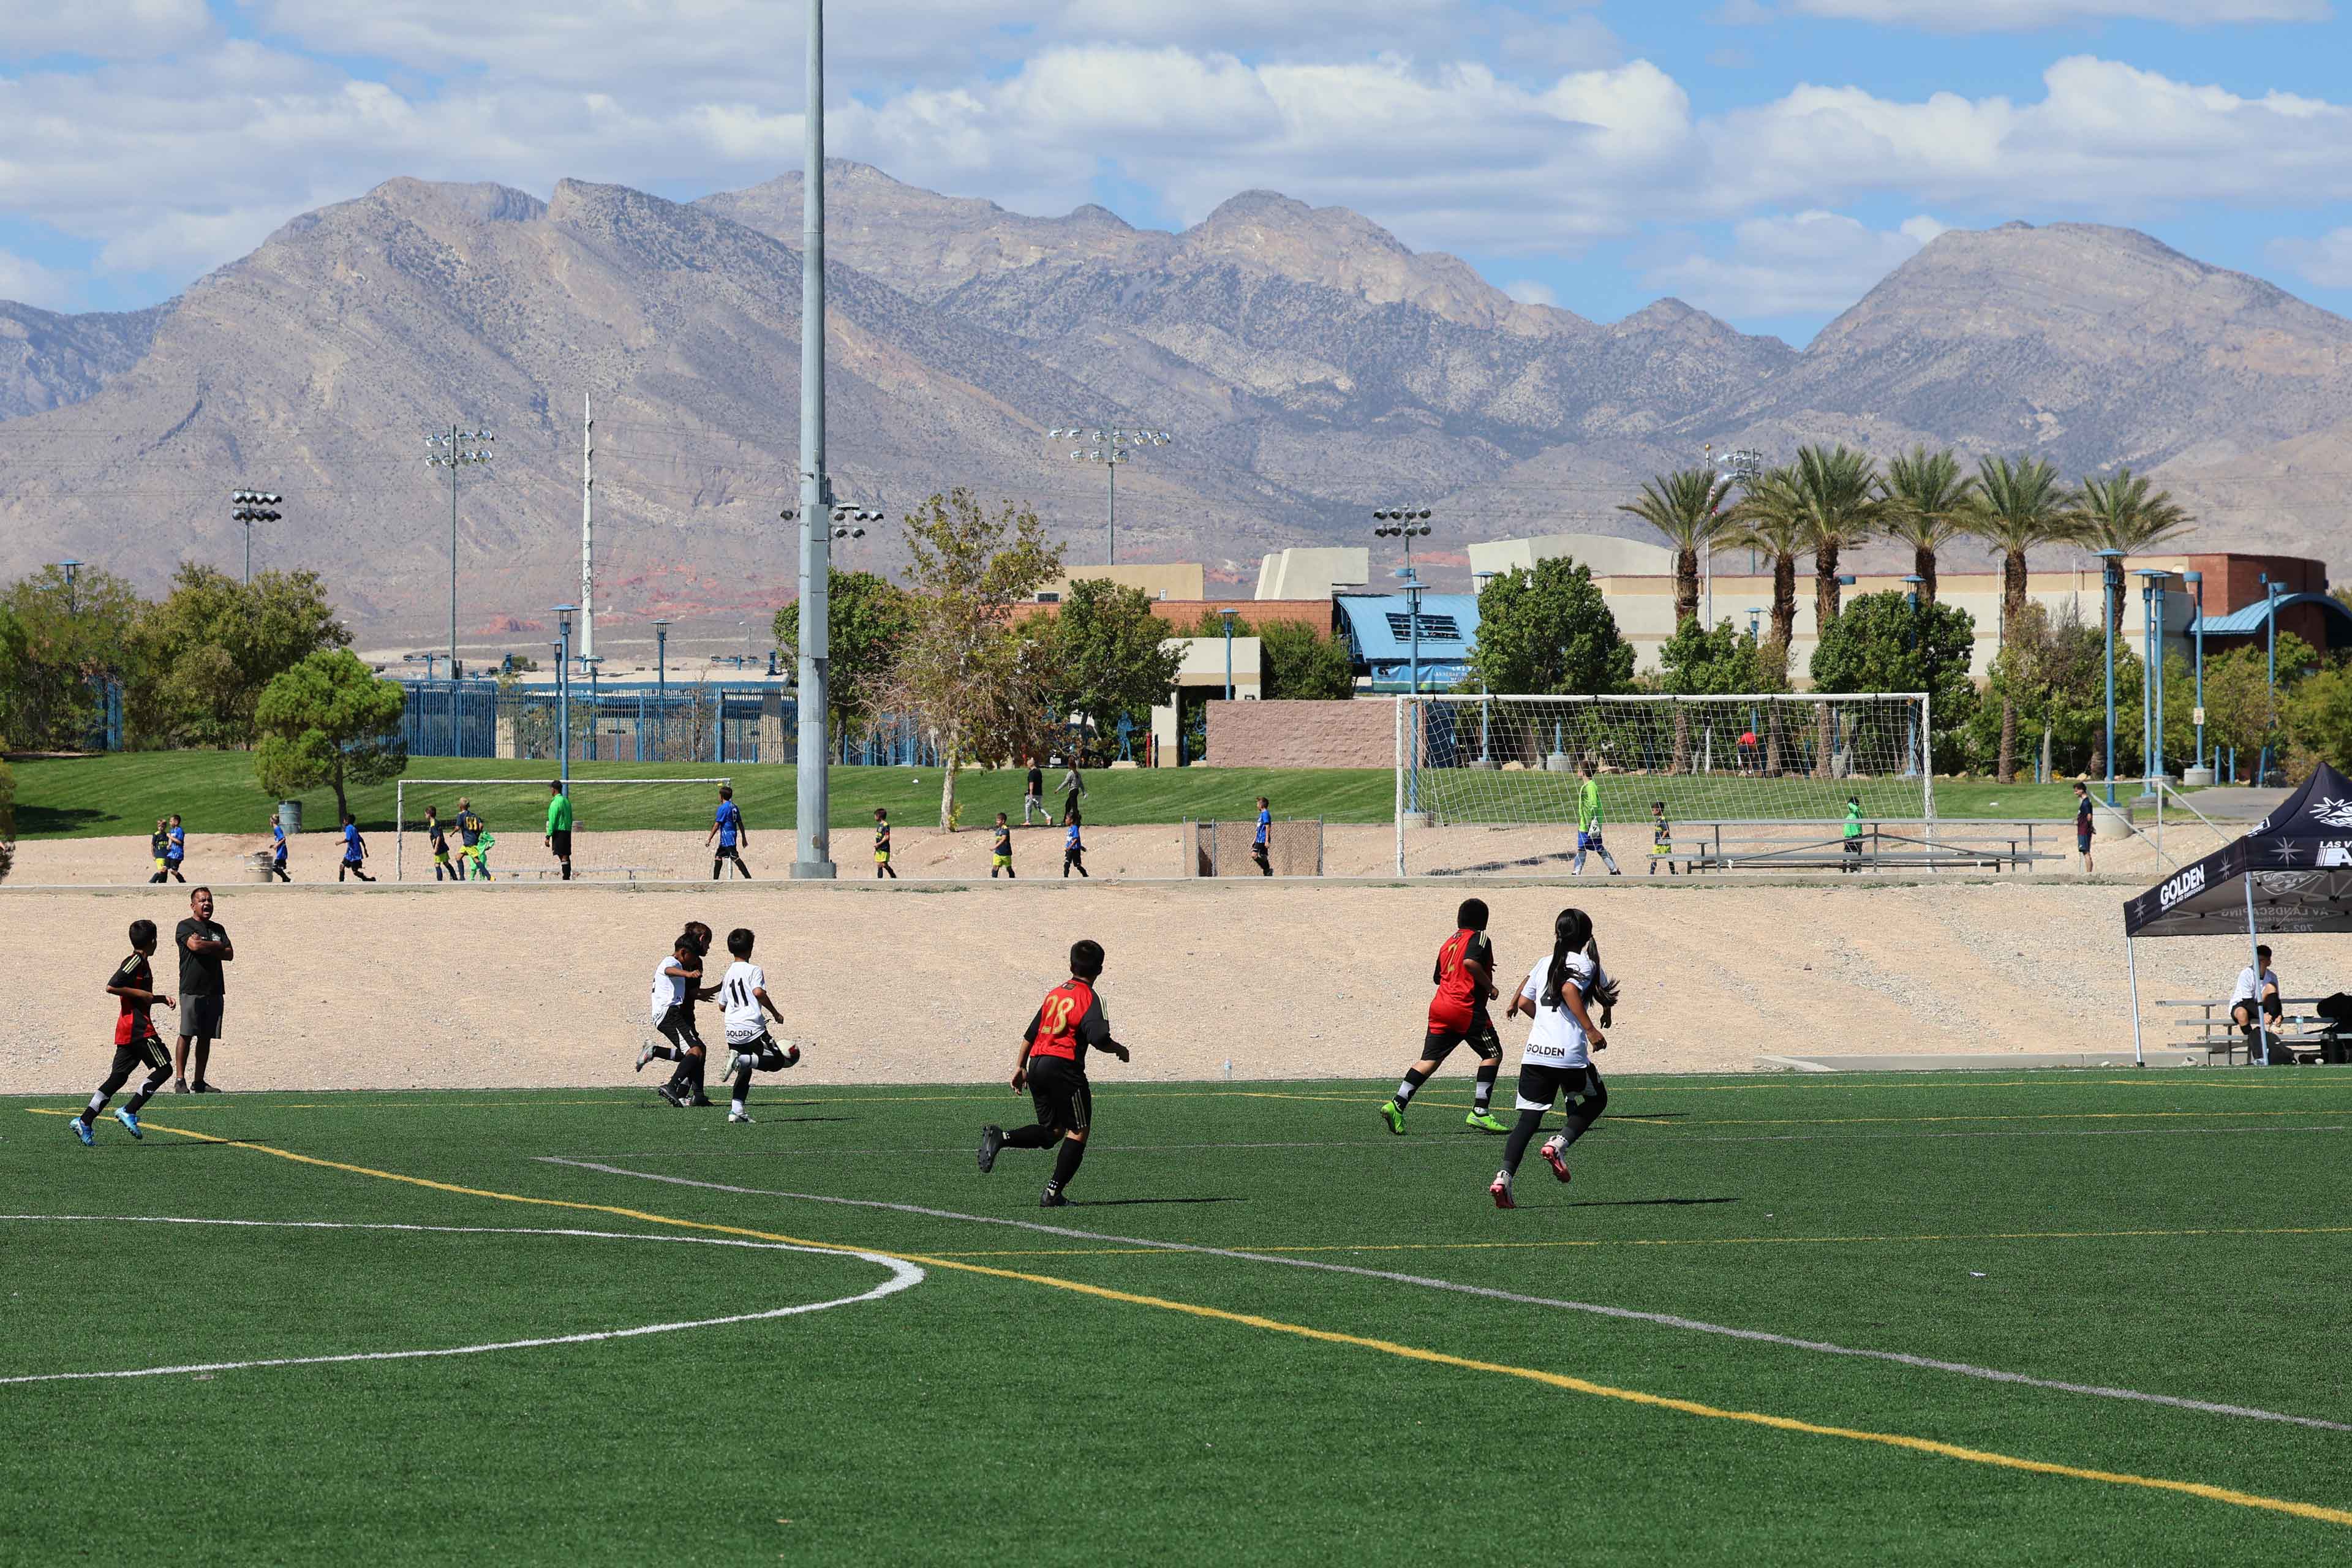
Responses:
[1202,674]
[1176,580]
[1607,556]
[1313,573]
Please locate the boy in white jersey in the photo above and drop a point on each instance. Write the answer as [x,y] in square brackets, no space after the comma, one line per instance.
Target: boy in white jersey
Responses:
[678,980]
[743,991]
[1560,995]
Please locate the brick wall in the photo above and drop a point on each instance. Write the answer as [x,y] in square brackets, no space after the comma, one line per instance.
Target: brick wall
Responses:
[1339,734]
[1184,615]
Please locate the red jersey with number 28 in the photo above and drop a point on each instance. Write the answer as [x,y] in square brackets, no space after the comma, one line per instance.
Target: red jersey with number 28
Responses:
[1461,995]
[1069,1020]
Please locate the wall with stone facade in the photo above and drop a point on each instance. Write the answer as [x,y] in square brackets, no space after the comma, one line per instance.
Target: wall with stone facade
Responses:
[1338,734]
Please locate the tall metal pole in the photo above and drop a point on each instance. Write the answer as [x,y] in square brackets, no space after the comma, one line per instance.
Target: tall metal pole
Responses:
[453,556]
[563,687]
[587,530]
[814,859]
[1110,525]
[2197,583]
[2112,581]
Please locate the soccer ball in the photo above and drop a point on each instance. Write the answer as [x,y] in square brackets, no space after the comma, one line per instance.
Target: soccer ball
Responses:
[792,1054]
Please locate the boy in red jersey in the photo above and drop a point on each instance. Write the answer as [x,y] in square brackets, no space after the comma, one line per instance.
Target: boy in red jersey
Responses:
[135,1040]
[1052,1066]
[1464,978]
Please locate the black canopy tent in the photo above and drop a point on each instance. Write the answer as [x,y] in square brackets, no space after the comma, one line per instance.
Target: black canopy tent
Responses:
[2293,875]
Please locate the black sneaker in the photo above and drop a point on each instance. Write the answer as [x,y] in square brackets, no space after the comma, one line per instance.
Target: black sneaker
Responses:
[702,1099]
[1053,1199]
[671,1096]
[203,1087]
[992,1139]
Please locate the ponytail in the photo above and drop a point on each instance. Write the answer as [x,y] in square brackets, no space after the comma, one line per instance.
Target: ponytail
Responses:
[1571,932]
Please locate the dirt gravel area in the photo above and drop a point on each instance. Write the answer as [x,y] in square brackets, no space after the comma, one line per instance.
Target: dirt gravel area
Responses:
[523,983]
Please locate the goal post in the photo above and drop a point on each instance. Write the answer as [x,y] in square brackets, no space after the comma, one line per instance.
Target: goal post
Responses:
[623,829]
[1465,760]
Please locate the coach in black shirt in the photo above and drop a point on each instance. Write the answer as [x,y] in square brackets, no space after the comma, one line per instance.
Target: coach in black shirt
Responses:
[204,947]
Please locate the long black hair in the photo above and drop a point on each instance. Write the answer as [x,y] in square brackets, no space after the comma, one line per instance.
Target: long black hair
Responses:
[1571,932]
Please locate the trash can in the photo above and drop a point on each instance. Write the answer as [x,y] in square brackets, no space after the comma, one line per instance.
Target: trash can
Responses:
[290,816]
[257,867]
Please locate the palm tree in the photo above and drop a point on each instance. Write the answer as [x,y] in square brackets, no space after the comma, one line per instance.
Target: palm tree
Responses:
[1927,506]
[1687,507]
[1837,493]
[1771,518]
[2020,506]
[2122,514]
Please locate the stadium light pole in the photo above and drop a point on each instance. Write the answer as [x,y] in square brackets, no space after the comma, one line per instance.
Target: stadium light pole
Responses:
[2151,680]
[563,686]
[249,507]
[458,449]
[813,853]
[1228,614]
[1407,523]
[2111,576]
[2196,581]
[1109,447]
[661,693]
[72,569]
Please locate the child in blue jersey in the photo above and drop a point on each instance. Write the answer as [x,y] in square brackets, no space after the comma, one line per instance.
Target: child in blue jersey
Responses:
[1260,848]
[727,826]
[1074,850]
[277,848]
[175,849]
[354,851]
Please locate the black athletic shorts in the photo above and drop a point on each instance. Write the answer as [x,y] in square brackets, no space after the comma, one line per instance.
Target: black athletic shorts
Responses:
[678,1026]
[561,844]
[1539,1088]
[200,1018]
[1065,1101]
[1440,1043]
[147,1051]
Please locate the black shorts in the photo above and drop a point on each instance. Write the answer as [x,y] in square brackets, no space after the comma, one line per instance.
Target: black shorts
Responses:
[1440,1043]
[1065,1101]
[676,1027]
[200,1018]
[1539,1088]
[147,1051]
[561,844]
[765,1054]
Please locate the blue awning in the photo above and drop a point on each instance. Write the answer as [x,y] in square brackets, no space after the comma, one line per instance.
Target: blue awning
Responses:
[2251,620]
[1380,630]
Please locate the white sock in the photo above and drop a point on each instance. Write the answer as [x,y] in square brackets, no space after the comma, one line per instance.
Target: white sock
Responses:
[1404,1092]
[736,1108]
[96,1104]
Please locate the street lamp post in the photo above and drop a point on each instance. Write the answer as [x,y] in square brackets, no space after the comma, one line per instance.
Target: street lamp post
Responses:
[661,691]
[2203,771]
[563,614]
[249,507]
[1478,581]
[72,569]
[2270,713]
[1228,613]
[2111,575]
[2151,683]
[1109,448]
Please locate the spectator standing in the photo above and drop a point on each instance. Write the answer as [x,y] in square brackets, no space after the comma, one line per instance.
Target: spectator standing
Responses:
[727,826]
[1072,789]
[2083,824]
[1662,838]
[559,826]
[1260,850]
[1853,835]
[1032,797]
[204,947]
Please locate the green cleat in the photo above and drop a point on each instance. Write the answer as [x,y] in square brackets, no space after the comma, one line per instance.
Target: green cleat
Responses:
[1484,1120]
[1394,1117]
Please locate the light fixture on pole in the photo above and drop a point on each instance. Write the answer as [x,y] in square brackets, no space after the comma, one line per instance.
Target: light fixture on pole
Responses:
[1739,466]
[1109,447]
[563,614]
[1407,523]
[456,451]
[2111,574]
[249,507]
[72,569]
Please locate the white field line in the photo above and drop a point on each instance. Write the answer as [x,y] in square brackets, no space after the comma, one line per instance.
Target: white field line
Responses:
[902,1276]
[1662,1319]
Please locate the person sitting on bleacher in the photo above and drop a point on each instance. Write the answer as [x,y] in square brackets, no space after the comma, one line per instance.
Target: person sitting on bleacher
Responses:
[2256,991]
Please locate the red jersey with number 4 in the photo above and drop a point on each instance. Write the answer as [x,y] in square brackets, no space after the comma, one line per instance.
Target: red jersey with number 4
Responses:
[1069,1020]
[1461,996]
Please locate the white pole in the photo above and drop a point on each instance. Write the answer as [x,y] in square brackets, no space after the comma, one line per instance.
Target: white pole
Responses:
[2131,962]
[2261,1019]
[587,529]
[1400,786]
[814,854]
[1928,764]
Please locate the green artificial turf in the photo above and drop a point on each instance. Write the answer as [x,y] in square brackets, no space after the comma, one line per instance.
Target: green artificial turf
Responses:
[215,792]
[2165,1232]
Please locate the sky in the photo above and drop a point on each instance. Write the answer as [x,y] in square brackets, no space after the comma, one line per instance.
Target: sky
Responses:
[1769,160]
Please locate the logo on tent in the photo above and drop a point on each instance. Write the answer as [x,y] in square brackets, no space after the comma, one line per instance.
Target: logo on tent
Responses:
[2335,855]
[2279,884]
[2333,812]
[2189,884]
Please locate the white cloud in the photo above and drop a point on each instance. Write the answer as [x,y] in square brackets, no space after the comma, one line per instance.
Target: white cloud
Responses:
[30,283]
[1794,264]
[1527,292]
[2027,15]
[103,29]
[2327,261]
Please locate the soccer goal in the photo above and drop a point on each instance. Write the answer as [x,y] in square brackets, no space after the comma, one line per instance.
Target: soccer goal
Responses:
[623,830]
[1466,761]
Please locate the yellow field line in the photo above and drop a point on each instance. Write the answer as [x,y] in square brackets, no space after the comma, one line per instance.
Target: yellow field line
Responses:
[1691,1241]
[1386,1347]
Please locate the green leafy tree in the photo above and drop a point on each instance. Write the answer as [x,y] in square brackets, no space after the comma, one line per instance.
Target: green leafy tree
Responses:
[74,639]
[1113,656]
[1294,664]
[2124,513]
[328,720]
[1770,518]
[215,642]
[2319,722]
[1697,662]
[984,692]
[1883,643]
[1687,507]
[1549,630]
[869,620]
[2019,505]
[1929,502]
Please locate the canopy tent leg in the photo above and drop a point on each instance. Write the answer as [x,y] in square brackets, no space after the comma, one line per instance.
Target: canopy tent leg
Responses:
[2254,941]
[2131,962]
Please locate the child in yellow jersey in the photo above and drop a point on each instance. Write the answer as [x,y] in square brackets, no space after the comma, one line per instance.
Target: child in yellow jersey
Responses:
[882,867]
[1002,851]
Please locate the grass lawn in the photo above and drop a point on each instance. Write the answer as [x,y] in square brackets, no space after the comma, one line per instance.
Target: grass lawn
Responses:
[1466,1386]
[215,792]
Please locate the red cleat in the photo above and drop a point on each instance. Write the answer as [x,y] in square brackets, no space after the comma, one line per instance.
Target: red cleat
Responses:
[1500,1191]
[1552,1153]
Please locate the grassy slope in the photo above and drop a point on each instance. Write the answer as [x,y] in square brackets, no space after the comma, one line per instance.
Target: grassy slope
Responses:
[215,792]
[982,1417]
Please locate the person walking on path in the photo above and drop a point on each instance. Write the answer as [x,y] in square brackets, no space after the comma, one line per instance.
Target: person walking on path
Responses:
[1074,850]
[204,947]
[1074,789]
[175,849]
[559,826]
[727,826]
[1588,824]
[882,867]
[354,852]
[159,844]
[1000,852]
[278,847]
[2083,824]
[1260,850]
[1032,797]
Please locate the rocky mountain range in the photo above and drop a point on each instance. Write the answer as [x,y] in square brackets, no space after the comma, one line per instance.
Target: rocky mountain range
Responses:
[1310,366]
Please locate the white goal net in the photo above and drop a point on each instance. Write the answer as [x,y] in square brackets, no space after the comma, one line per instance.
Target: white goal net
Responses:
[1470,767]
[638,830]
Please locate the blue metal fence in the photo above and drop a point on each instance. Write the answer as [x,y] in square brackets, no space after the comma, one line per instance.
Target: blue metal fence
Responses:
[712,725]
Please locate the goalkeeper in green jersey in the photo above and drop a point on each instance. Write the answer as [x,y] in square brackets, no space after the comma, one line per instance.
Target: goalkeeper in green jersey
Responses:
[1588,824]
